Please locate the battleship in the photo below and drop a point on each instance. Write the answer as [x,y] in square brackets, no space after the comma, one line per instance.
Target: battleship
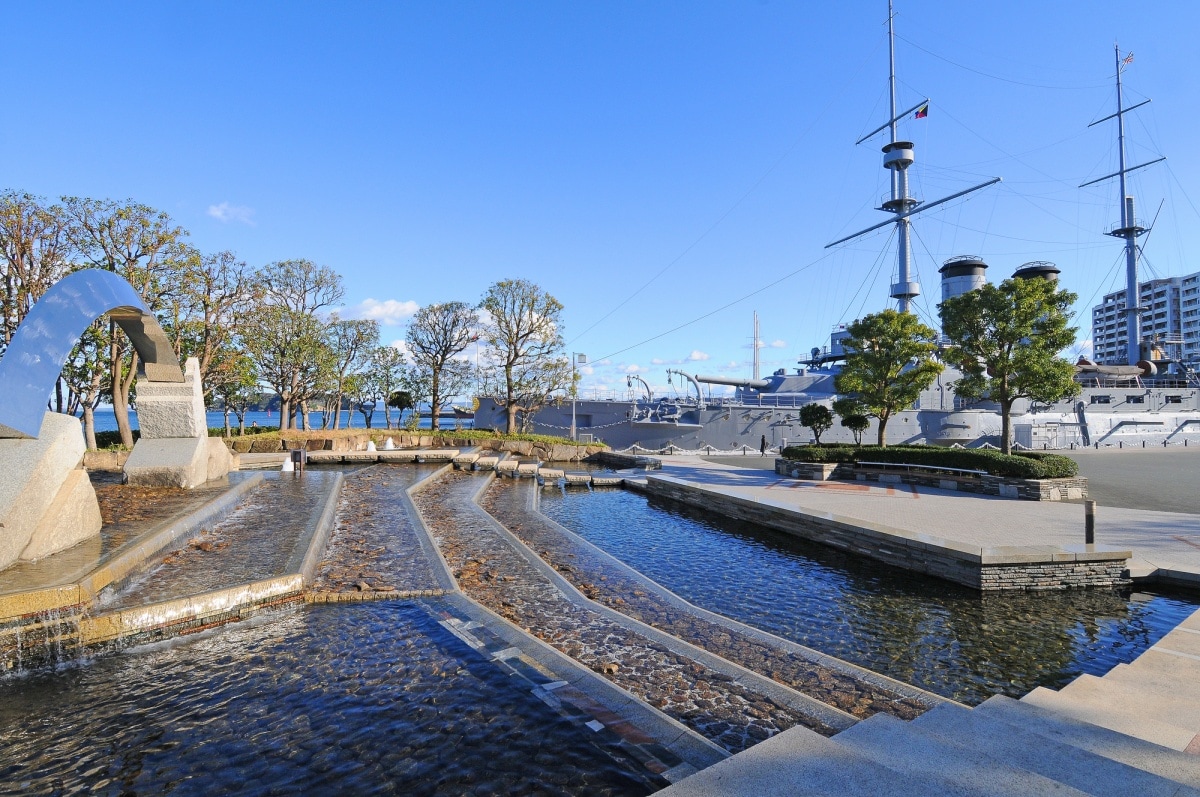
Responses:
[1152,400]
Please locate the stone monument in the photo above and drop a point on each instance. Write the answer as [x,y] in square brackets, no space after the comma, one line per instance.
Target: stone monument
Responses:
[174,449]
[47,503]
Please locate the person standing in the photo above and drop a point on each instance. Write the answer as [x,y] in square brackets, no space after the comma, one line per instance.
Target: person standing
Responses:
[762,447]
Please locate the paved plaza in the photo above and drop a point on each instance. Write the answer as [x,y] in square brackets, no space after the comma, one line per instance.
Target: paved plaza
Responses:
[1160,540]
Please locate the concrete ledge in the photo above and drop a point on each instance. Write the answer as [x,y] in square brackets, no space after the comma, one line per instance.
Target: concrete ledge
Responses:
[987,569]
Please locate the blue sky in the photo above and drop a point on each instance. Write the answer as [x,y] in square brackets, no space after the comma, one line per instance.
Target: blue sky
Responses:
[664,169]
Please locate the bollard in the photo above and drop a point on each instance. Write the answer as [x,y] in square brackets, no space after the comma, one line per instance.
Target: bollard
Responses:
[1143,444]
[1089,522]
[299,458]
[1164,443]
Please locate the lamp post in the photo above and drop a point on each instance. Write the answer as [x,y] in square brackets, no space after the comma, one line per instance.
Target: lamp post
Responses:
[576,359]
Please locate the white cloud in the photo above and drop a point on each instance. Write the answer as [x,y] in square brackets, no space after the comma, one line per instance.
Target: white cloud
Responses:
[778,344]
[226,212]
[633,369]
[697,356]
[659,361]
[389,312]
[401,345]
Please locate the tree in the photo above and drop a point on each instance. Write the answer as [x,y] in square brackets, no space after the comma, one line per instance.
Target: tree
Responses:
[387,371]
[142,245]
[352,342]
[35,253]
[213,292]
[817,417]
[288,349]
[236,385]
[1007,339]
[524,340]
[437,334]
[889,361]
[854,417]
[286,338]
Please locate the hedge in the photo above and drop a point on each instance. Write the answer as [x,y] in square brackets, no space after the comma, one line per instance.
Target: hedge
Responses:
[1022,465]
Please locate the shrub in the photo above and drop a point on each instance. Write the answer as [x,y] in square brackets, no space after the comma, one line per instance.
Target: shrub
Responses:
[1025,465]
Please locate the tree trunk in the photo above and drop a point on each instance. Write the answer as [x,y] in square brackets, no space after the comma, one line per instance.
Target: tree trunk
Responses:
[285,413]
[89,427]
[228,430]
[511,413]
[882,440]
[1006,427]
[120,398]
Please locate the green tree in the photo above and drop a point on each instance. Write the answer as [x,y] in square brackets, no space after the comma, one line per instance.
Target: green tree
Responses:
[387,371]
[854,417]
[817,417]
[35,252]
[889,361]
[1007,339]
[144,246]
[523,331]
[437,334]
[286,338]
[352,342]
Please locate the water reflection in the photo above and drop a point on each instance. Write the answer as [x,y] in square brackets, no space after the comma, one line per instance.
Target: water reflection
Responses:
[933,634]
[377,700]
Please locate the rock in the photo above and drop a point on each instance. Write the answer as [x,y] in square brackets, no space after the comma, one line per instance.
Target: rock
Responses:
[363,586]
[610,668]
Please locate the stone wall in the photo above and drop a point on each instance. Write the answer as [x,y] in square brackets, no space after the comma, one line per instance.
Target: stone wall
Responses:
[1012,568]
[1002,486]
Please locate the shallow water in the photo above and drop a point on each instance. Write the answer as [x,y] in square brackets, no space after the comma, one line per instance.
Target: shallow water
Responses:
[929,633]
[376,699]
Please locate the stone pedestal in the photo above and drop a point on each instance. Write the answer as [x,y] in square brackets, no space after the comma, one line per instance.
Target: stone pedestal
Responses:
[47,503]
[174,449]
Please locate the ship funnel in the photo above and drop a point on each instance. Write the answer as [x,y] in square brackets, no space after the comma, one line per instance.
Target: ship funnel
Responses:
[1038,269]
[962,274]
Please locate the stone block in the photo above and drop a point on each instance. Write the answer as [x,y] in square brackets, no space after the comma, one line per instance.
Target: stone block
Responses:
[173,409]
[73,516]
[34,472]
[171,462]
[220,460]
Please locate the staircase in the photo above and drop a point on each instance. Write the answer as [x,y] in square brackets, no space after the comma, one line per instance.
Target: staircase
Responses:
[1136,731]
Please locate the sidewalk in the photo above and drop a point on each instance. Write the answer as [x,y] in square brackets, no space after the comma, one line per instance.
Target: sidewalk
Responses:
[1165,545]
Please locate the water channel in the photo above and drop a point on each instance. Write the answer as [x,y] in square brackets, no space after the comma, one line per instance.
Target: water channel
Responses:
[923,631]
[381,698]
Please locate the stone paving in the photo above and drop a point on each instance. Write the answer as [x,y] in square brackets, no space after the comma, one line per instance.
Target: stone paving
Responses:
[509,502]
[374,548]
[490,571]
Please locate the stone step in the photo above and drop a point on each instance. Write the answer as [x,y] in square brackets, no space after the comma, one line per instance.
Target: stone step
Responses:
[1027,718]
[578,478]
[928,757]
[1064,762]
[1176,705]
[528,468]
[1160,672]
[487,462]
[550,476]
[1097,711]
[800,761]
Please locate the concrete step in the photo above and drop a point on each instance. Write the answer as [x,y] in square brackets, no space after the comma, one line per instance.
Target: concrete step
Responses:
[1061,761]
[1177,705]
[800,761]
[1157,672]
[1098,711]
[906,748]
[1027,718]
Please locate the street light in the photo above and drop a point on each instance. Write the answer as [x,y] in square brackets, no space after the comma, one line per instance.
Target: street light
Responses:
[576,359]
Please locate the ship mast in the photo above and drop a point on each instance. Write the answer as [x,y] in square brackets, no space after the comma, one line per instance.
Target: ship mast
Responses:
[1129,229]
[897,157]
[755,374]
